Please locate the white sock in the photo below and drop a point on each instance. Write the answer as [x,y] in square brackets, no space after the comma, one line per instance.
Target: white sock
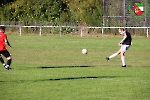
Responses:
[6,66]
[113,55]
[123,61]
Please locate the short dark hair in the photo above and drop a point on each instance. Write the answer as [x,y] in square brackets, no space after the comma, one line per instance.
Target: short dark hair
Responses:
[121,29]
[2,28]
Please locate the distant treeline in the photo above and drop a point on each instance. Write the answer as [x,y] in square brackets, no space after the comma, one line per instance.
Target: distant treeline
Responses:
[86,12]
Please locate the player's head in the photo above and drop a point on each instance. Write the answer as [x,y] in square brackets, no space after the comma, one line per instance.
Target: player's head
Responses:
[2,29]
[121,30]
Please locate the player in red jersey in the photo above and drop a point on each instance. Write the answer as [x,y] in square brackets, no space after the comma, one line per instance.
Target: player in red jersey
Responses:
[3,50]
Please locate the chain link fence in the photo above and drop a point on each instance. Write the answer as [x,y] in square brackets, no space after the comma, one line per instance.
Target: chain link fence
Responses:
[120,13]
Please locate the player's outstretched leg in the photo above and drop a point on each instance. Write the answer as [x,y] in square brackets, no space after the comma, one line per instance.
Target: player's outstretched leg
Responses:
[112,56]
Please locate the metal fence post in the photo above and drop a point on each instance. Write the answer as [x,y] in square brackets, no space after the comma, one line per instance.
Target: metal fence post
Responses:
[20,30]
[81,32]
[60,30]
[147,31]
[40,31]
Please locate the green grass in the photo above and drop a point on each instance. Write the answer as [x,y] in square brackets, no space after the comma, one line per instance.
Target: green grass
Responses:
[53,68]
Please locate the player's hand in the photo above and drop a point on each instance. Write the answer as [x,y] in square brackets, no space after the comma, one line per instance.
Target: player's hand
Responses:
[119,44]
[10,46]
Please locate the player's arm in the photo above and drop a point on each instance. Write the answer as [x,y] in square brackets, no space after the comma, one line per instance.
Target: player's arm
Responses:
[7,42]
[124,37]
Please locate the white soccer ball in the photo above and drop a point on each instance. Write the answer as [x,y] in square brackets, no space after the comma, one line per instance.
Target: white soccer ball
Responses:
[84,51]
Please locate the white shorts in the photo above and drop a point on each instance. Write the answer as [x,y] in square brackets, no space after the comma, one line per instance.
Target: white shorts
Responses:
[124,48]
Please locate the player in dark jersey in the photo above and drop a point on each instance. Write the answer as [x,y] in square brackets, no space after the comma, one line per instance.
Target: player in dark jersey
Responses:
[3,50]
[124,46]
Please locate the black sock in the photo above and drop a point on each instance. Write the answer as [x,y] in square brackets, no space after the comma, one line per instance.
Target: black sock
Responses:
[2,60]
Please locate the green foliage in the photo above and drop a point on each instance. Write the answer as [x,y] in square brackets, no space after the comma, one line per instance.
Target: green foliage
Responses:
[84,11]
[3,2]
[34,10]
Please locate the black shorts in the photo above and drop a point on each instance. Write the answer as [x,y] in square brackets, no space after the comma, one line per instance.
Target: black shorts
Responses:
[5,53]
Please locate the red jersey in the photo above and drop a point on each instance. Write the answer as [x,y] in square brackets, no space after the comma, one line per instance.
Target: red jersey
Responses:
[3,39]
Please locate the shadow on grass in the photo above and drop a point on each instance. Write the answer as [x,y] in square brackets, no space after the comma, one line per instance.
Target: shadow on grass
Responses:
[82,77]
[46,67]
[61,79]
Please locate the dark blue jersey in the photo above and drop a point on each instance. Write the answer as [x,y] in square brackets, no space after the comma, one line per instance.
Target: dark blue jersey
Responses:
[128,39]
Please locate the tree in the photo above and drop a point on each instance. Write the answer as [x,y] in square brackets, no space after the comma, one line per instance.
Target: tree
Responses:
[85,11]
[78,11]
[3,2]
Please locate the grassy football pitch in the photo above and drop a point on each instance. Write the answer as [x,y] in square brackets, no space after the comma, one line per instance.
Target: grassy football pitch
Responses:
[53,68]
